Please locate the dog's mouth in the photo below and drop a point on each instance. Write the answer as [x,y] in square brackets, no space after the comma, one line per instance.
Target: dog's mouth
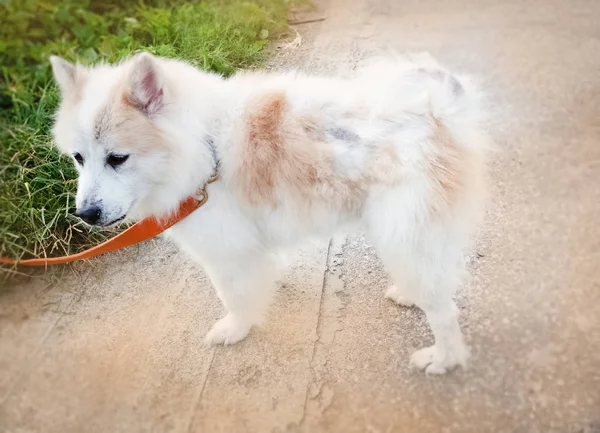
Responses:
[114,222]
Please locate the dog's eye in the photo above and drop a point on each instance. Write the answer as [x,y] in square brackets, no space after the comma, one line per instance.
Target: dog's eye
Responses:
[77,156]
[115,160]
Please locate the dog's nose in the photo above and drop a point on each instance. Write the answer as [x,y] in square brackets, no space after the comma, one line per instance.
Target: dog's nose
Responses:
[90,215]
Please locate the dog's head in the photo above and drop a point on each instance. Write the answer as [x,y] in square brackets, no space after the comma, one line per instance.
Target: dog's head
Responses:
[109,122]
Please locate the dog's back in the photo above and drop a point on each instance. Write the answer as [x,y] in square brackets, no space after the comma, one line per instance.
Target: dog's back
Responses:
[307,146]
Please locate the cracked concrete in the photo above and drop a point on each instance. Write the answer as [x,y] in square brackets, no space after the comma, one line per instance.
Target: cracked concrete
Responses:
[116,346]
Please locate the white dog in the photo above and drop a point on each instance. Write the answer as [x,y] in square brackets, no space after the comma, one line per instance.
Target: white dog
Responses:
[394,151]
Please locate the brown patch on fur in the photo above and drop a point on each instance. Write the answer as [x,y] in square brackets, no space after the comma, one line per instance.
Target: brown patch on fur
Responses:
[128,127]
[265,147]
[289,155]
[277,153]
[136,133]
[127,98]
[446,165]
[454,170]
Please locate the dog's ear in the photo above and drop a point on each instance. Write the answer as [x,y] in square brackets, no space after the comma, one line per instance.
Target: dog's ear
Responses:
[65,74]
[146,84]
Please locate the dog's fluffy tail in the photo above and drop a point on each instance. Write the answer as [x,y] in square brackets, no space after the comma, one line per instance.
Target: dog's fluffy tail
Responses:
[453,100]
[417,83]
[456,102]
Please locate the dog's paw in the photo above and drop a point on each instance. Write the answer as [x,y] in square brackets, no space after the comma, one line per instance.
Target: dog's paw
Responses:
[396,295]
[436,361]
[228,330]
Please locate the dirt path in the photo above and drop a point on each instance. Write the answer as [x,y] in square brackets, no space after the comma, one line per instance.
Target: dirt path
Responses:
[118,347]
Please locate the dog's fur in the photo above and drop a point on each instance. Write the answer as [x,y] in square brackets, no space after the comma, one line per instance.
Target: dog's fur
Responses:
[394,150]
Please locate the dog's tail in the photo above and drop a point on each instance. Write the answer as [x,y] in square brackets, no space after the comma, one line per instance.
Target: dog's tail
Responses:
[417,84]
[450,95]
[453,100]
[423,85]
[453,97]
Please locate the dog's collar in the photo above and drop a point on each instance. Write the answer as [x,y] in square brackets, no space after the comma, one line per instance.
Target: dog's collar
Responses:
[201,194]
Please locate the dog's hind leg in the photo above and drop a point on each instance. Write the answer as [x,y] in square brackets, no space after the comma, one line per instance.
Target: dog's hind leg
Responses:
[426,265]
[245,284]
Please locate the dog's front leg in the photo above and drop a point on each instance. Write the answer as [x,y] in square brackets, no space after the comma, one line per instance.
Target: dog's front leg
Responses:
[245,284]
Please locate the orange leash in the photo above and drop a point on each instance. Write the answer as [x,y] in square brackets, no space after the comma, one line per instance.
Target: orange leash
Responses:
[139,232]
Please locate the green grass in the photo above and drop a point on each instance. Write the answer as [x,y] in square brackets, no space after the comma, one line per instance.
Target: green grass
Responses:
[37,184]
